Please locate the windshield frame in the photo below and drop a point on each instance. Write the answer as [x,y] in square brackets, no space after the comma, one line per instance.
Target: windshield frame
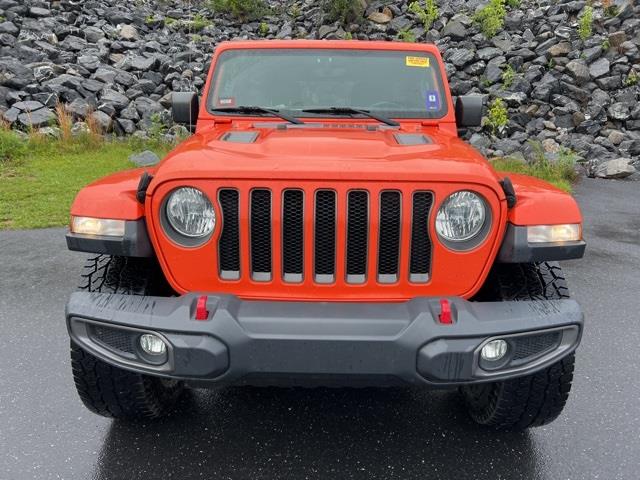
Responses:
[444,114]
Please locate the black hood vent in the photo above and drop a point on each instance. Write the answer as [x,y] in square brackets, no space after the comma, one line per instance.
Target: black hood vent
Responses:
[239,137]
[412,139]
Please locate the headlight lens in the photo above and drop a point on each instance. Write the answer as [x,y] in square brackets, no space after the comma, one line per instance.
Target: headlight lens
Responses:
[461,216]
[190,212]
[97,226]
[570,232]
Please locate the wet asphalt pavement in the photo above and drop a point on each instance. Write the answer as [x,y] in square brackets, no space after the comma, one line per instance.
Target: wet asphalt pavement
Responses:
[46,433]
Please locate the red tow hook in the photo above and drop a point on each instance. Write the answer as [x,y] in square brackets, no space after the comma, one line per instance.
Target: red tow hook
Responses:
[201,308]
[445,312]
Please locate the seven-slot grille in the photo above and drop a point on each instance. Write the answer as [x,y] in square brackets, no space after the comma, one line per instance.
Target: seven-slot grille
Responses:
[326,211]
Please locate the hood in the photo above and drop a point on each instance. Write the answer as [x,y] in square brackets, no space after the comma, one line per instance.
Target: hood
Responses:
[327,152]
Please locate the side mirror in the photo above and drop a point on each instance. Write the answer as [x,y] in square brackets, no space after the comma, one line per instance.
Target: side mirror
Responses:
[469,110]
[184,108]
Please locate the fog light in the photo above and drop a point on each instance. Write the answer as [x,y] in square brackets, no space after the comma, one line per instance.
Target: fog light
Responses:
[494,350]
[152,344]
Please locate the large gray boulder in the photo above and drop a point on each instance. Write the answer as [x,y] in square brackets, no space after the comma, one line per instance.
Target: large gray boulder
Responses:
[36,118]
[144,159]
[599,68]
[579,71]
[616,168]
[455,29]
[9,27]
[102,120]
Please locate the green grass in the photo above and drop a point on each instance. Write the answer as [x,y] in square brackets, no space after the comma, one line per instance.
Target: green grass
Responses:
[427,14]
[407,35]
[497,116]
[632,79]
[263,29]
[247,10]
[38,185]
[344,11]
[508,76]
[491,17]
[561,173]
[198,23]
[585,23]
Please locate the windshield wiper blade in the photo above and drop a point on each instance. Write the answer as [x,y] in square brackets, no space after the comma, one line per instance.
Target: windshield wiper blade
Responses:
[257,109]
[353,111]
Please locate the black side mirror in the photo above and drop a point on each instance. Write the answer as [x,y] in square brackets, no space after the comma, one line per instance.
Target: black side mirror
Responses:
[469,110]
[184,108]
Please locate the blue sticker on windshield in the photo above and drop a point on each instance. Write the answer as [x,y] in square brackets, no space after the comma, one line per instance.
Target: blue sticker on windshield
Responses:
[432,100]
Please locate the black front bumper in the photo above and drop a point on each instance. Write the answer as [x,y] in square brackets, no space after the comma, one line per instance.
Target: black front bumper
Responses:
[261,342]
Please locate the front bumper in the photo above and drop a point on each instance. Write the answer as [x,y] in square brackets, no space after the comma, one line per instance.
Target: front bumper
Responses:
[260,342]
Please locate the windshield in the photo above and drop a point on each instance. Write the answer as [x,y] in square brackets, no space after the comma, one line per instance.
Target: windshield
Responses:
[391,83]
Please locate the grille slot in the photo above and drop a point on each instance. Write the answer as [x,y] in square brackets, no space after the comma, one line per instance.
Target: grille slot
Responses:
[325,236]
[420,262]
[535,345]
[114,338]
[389,243]
[357,235]
[260,233]
[229,243]
[292,235]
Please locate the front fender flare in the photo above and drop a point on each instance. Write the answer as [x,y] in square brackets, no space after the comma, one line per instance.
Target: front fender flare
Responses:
[538,203]
[113,197]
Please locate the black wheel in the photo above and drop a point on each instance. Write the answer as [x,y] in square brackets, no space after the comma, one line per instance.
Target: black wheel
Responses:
[111,391]
[535,399]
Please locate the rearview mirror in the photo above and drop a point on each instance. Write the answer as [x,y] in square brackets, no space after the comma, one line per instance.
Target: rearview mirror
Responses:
[184,108]
[469,110]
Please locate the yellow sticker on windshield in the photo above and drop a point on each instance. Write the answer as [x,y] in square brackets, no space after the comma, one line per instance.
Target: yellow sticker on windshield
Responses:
[422,62]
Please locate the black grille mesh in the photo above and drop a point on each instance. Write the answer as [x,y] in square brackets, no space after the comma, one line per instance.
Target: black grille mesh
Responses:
[532,345]
[357,232]
[293,216]
[261,231]
[389,246]
[115,338]
[420,240]
[325,233]
[229,243]
[292,231]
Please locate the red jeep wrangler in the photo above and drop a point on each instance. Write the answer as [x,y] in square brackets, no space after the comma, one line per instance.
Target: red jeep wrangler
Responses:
[325,225]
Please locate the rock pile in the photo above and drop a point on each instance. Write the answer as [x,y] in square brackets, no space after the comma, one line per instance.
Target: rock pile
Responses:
[118,62]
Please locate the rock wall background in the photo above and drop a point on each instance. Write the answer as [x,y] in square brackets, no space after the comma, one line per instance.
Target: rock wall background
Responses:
[119,62]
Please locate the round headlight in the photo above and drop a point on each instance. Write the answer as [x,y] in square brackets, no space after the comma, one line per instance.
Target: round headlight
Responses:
[190,212]
[461,216]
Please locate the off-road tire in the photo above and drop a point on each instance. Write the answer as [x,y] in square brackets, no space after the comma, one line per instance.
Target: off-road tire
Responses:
[535,399]
[111,391]
[124,275]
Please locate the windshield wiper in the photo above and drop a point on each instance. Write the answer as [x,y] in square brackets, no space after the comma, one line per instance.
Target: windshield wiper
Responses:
[256,109]
[353,111]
